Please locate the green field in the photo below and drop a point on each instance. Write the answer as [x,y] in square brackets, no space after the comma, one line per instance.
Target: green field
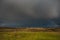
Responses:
[29,35]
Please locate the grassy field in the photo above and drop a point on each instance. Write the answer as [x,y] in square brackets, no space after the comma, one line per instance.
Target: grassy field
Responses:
[18,35]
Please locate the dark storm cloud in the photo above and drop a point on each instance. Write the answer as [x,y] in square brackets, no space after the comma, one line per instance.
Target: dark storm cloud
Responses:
[15,10]
[12,9]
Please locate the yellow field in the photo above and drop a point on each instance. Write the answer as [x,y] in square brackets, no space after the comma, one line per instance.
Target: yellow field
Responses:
[18,35]
[29,34]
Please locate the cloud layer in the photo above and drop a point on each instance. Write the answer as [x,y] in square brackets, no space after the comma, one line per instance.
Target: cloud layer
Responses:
[18,10]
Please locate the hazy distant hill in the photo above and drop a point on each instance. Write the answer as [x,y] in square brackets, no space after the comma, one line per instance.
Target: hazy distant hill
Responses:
[32,23]
[57,21]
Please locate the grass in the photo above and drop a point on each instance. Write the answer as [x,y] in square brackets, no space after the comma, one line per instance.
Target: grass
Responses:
[18,35]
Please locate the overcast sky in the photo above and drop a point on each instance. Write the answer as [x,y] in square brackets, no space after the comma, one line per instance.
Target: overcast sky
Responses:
[15,10]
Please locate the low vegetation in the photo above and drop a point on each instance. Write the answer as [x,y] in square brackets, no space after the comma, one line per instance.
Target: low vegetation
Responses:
[29,34]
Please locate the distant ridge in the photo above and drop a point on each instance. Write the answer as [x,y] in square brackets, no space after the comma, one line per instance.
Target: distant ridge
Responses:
[44,23]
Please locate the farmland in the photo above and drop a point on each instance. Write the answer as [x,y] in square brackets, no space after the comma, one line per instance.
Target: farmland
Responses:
[24,34]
